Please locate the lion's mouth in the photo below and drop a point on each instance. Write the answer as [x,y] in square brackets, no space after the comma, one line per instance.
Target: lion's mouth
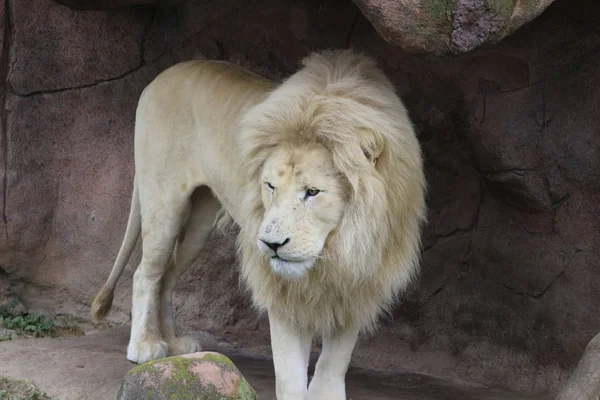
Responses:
[290,269]
[287,260]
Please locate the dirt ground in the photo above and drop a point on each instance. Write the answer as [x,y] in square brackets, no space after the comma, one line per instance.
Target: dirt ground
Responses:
[91,367]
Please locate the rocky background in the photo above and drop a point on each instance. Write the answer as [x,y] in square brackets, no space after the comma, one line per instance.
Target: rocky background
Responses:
[508,294]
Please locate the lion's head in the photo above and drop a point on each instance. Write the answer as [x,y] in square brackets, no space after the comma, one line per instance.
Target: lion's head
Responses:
[334,186]
[304,197]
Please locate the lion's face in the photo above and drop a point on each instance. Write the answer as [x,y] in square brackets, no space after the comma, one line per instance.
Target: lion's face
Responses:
[304,200]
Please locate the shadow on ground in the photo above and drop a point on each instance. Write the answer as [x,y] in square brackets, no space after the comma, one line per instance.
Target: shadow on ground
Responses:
[91,367]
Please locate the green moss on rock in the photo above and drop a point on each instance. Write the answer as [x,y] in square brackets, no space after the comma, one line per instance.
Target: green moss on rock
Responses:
[503,7]
[245,391]
[174,378]
[219,359]
[439,9]
[147,367]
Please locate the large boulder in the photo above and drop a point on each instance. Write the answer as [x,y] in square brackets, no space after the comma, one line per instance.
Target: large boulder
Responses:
[436,27]
[198,376]
[448,27]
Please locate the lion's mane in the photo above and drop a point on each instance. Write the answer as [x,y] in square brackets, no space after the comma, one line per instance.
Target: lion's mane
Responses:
[343,101]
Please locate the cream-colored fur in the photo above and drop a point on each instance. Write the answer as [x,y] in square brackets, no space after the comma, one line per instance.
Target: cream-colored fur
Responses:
[323,174]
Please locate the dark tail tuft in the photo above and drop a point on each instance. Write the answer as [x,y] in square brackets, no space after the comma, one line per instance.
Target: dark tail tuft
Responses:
[102,303]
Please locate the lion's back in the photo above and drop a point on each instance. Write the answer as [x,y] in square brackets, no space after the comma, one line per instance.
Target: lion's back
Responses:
[187,125]
[211,82]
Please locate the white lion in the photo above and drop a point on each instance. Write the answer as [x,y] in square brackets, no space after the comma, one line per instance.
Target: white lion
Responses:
[323,174]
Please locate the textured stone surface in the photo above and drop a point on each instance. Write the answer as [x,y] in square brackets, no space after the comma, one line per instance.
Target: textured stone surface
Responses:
[508,293]
[198,376]
[113,4]
[448,27]
[55,48]
[584,383]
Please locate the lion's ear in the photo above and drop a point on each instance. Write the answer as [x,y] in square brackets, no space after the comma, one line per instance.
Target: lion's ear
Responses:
[372,146]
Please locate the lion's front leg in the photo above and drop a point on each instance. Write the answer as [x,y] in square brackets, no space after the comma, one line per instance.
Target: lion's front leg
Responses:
[291,351]
[328,382]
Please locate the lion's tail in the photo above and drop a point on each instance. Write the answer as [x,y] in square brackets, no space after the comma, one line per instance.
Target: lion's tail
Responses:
[104,298]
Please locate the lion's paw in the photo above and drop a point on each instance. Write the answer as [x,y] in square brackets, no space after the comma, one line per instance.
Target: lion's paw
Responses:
[327,389]
[146,350]
[183,345]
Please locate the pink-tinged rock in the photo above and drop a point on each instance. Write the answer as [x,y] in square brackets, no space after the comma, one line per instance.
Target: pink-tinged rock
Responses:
[448,27]
[55,48]
[198,376]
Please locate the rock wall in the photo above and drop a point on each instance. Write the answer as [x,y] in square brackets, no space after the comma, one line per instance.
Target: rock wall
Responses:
[508,290]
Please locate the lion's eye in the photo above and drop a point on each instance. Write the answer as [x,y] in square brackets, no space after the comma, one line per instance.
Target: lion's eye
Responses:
[312,192]
[271,187]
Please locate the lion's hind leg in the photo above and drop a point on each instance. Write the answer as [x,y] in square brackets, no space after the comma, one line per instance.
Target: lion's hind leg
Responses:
[160,227]
[191,241]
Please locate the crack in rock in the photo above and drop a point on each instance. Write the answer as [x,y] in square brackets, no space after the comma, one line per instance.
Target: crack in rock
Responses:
[86,86]
[535,295]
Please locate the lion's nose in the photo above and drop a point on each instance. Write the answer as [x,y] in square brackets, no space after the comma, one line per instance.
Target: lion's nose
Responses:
[274,245]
